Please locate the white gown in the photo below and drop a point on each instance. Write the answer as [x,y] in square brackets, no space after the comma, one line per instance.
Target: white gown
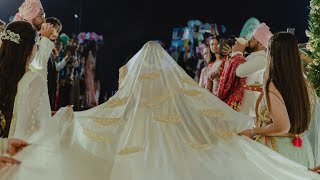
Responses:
[159,125]
[31,107]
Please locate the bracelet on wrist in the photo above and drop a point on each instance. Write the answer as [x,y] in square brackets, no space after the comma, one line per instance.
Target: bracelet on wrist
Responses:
[253,133]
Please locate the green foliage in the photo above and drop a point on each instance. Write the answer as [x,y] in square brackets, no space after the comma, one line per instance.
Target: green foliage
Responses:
[314,45]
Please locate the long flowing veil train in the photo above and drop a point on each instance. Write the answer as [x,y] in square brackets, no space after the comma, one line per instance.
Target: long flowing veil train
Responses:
[159,125]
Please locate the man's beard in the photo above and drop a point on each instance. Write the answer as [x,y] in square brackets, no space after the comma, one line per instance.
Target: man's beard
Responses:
[38,27]
[249,50]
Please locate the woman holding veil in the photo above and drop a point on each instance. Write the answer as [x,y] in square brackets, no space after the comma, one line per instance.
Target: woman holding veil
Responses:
[159,125]
[283,118]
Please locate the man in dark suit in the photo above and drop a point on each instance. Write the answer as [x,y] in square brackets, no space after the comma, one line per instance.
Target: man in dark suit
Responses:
[54,64]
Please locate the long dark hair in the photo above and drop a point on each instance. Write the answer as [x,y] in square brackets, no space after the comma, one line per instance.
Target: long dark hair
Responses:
[13,62]
[212,55]
[286,73]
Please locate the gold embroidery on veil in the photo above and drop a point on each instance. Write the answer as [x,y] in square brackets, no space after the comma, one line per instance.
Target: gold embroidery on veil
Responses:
[130,150]
[169,118]
[116,102]
[201,147]
[2,122]
[188,80]
[223,134]
[123,71]
[192,93]
[212,113]
[95,136]
[156,100]
[107,121]
[149,76]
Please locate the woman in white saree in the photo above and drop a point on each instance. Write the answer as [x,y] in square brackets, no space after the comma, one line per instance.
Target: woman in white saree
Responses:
[159,125]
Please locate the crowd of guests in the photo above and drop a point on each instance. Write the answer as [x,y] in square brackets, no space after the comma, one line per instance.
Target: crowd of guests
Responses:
[71,78]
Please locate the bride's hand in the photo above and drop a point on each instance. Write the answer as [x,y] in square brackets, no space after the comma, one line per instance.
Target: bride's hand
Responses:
[246,133]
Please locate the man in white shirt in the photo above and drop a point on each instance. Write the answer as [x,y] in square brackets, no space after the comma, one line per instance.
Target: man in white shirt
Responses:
[254,67]
[10,147]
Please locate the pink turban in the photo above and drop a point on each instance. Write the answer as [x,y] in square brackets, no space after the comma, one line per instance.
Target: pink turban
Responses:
[262,34]
[29,10]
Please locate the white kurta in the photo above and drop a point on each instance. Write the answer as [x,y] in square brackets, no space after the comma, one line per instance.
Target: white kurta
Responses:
[253,69]
[31,106]
[40,61]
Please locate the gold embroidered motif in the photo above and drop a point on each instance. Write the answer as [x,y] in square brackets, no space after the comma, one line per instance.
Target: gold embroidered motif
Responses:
[123,71]
[236,106]
[2,121]
[264,115]
[107,121]
[223,134]
[192,93]
[273,144]
[95,136]
[212,113]
[189,81]
[156,100]
[169,118]
[130,150]
[149,76]
[116,102]
[201,147]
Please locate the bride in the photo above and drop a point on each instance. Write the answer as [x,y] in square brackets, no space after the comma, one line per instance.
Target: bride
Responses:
[159,125]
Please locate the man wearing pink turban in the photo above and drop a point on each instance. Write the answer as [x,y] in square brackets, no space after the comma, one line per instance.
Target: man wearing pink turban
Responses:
[31,11]
[254,67]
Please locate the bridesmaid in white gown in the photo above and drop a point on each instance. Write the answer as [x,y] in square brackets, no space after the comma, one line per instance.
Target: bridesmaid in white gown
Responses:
[18,43]
[17,51]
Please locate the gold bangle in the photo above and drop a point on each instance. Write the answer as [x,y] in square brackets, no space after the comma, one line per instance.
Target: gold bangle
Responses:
[253,133]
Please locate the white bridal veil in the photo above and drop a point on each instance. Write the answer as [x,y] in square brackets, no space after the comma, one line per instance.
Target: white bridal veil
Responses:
[160,125]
